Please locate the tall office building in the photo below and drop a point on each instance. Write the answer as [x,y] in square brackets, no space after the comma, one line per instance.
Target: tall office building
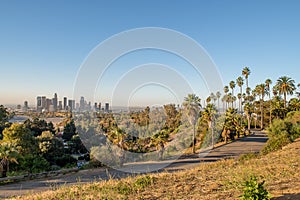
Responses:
[106,107]
[71,105]
[81,104]
[54,102]
[44,102]
[25,108]
[59,105]
[65,103]
[39,103]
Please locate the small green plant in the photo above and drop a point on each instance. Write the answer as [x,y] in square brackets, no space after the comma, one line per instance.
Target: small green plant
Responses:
[143,182]
[254,190]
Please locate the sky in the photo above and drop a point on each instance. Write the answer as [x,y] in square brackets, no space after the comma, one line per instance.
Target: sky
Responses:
[43,44]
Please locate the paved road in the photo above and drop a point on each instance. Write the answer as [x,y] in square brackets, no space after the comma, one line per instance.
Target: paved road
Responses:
[251,143]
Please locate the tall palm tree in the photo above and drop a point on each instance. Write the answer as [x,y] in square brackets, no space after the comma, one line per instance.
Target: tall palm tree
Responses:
[192,105]
[232,86]
[268,82]
[218,95]
[261,91]
[224,101]
[298,93]
[246,72]
[208,115]
[285,86]
[213,97]
[226,90]
[8,153]
[240,83]
[248,109]
[239,96]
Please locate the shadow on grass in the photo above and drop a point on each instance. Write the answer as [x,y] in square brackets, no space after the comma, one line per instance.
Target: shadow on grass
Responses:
[287,196]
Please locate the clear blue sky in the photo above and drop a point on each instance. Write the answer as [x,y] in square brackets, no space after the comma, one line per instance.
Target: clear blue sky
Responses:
[43,43]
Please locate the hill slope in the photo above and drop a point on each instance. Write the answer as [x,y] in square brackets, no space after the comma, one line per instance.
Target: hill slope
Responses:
[219,180]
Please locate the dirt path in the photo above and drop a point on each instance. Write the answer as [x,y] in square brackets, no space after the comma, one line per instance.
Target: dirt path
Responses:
[249,144]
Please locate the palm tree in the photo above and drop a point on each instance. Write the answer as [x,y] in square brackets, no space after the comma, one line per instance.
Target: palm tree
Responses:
[248,109]
[261,90]
[240,83]
[8,153]
[268,82]
[218,95]
[192,107]
[226,90]
[246,72]
[213,97]
[224,101]
[286,86]
[298,93]
[208,115]
[239,95]
[232,86]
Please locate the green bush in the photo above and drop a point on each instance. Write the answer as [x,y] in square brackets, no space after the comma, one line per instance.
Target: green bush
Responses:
[276,143]
[282,132]
[34,164]
[254,190]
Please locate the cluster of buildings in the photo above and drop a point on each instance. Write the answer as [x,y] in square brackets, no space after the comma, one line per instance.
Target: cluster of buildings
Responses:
[45,104]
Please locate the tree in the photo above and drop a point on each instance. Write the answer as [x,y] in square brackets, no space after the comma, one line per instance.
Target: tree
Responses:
[268,82]
[231,123]
[226,90]
[285,86]
[294,104]
[69,131]
[240,83]
[208,115]
[4,117]
[261,90]
[173,118]
[248,109]
[192,107]
[239,96]
[232,86]
[22,137]
[218,95]
[50,146]
[8,153]
[246,72]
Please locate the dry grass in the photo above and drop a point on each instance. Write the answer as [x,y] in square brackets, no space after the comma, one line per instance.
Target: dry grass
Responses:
[219,180]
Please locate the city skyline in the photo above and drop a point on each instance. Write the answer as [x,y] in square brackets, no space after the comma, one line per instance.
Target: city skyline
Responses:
[43,44]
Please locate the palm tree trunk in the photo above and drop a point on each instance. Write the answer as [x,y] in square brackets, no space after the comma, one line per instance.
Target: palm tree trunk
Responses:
[248,118]
[194,135]
[284,94]
[262,115]
[270,120]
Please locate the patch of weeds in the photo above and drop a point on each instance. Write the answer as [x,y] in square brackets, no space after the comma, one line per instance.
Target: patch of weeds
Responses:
[142,182]
[254,190]
[123,188]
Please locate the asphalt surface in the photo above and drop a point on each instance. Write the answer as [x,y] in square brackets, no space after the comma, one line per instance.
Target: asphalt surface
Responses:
[253,143]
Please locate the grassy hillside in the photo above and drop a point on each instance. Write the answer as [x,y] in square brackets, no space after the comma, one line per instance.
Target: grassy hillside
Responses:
[219,180]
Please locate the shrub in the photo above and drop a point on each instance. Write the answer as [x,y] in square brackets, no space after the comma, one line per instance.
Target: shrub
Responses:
[254,190]
[276,143]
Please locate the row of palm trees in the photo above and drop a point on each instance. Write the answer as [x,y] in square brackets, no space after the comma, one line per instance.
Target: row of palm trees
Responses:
[251,103]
